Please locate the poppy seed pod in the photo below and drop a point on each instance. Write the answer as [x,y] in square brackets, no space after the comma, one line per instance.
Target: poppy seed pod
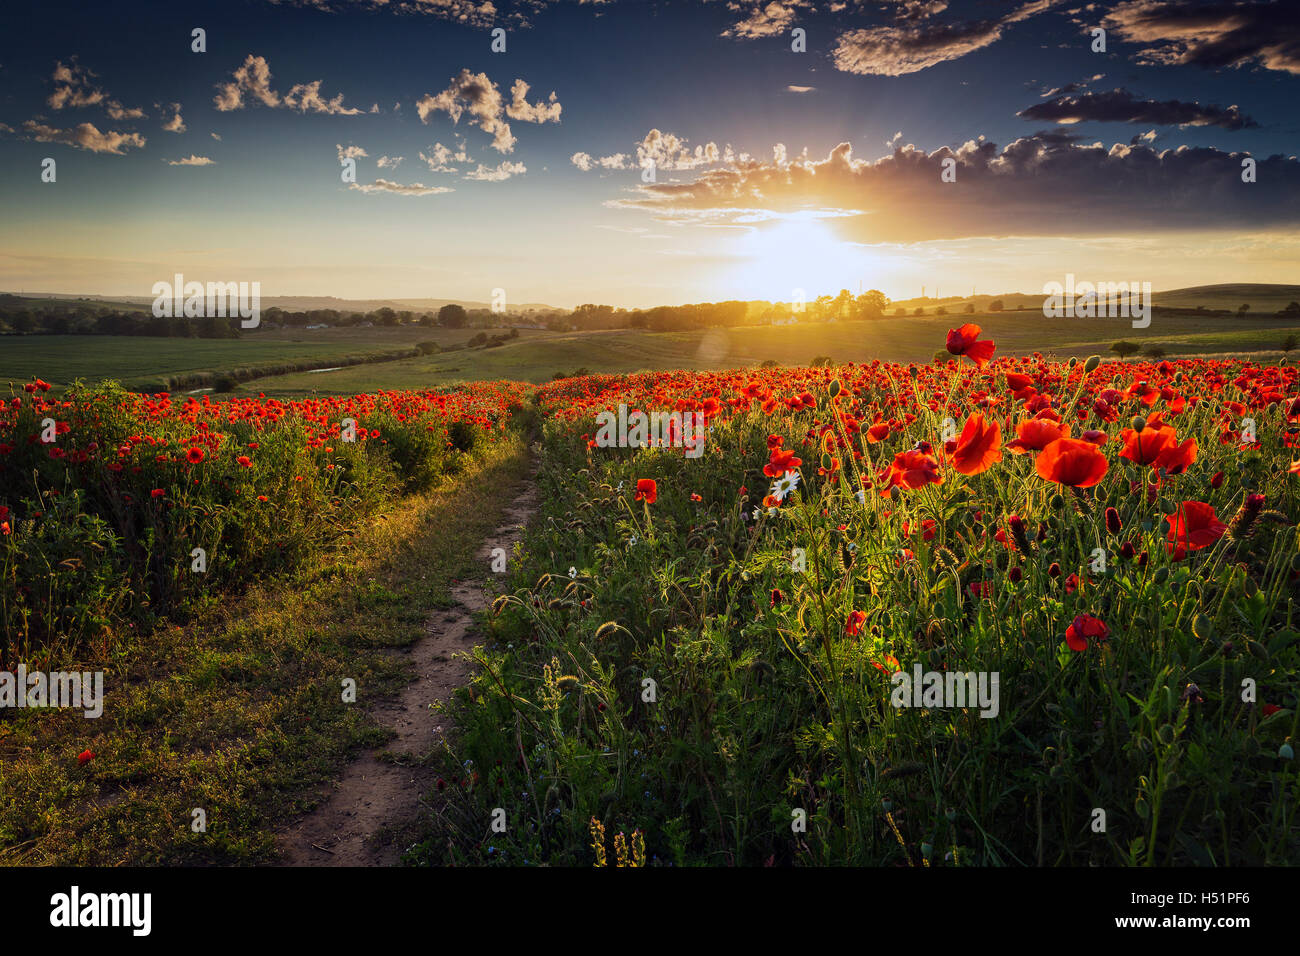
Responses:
[1113,524]
[1092,363]
[1139,423]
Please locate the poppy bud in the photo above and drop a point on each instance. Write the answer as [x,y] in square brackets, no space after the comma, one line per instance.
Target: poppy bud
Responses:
[1057,502]
[1126,550]
[1286,752]
[1113,524]
[1139,423]
[1054,570]
[1015,574]
[1217,480]
[835,388]
[1092,363]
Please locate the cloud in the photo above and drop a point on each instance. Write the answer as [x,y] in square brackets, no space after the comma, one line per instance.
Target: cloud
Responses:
[443,157]
[477,95]
[410,189]
[1212,35]
[252,79]
[85,136]
[1120,106]
[501,171]
[472,13]
[800,89]
[350,152]
[912,46]
[669,152]
[1040,185]
[192,160]
[582,161]
[176,124]
[252,83]
[74,87]
[541,112]
[764,19]
[389,162]
[306,98]
[216,136]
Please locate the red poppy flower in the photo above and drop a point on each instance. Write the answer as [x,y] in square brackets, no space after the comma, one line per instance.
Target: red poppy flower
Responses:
[962,341]
[1069,461]
[853,626]
[1035,435]
[780,462]
[85,757]
[1085,628]
[979,446]
[911,469]
[1192,527]
[195,455]
[246,462]
[646,490]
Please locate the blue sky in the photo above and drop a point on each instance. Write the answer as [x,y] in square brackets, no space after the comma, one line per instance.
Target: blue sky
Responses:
[268,202]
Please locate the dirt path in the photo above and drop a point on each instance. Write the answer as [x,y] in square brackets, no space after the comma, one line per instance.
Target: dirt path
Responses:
[375,804]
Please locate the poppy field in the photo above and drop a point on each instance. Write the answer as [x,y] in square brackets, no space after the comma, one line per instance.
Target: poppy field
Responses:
[118,510]
[983,611]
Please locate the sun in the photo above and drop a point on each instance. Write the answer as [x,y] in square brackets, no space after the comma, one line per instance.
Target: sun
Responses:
[800,258]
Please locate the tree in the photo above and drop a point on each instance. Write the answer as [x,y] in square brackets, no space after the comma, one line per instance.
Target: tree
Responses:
[1243,309]
[996,305]
[1292,308]
[1155,352]
[870,305]
[970,307]
[1125,349]
[1289,343]
[452,316]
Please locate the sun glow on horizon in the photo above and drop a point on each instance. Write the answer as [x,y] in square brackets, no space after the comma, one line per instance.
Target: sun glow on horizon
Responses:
[801,257]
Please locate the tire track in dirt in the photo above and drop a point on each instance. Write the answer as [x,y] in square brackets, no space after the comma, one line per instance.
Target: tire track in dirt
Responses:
[365,819]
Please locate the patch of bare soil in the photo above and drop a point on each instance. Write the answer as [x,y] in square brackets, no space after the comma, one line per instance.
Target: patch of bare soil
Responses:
[364,819]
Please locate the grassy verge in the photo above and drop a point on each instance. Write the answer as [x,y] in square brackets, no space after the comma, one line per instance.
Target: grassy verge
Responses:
[240,713]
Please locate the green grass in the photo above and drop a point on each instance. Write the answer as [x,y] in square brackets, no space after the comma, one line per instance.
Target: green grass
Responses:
[537,356]
[240,714]
[141,360]
[893,339]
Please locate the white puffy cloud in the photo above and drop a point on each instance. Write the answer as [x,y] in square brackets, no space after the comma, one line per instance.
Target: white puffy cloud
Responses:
[1040,185]
[476,95]
[175,124]
[503,170]
[251,83]
[911,45]
[192,160]
[85,136]
[401,189]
